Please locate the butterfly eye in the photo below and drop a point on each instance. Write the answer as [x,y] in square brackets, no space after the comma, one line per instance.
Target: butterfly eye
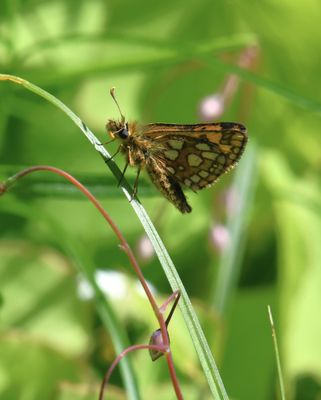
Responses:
[123,133]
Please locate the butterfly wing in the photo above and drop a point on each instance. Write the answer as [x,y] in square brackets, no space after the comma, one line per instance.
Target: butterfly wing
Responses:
[197,155]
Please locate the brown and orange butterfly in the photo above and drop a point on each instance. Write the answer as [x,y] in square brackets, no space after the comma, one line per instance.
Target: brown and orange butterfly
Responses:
[194,156]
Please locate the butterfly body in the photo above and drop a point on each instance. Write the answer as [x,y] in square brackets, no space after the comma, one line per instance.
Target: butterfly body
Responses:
[177,155]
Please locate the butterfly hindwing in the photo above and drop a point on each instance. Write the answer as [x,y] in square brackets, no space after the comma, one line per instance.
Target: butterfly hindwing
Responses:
[197,155]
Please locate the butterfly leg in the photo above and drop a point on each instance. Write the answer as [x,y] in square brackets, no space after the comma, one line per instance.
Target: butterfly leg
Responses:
[115,154]
[109,141]
[123,174]
[135,184]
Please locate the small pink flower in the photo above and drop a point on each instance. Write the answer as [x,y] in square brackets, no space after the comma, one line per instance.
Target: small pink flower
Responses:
[220,237]
[212,107]
[145,248]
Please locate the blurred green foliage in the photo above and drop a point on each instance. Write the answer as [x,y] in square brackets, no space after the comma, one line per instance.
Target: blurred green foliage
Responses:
[164,58]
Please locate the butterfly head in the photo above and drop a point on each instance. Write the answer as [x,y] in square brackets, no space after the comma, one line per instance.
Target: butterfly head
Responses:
[117,129]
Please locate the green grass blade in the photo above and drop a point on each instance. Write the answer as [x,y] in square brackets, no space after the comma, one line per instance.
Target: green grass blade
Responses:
[244,186]
[277,355]
[273,87]
[191,320]
[167,54]
[48,185]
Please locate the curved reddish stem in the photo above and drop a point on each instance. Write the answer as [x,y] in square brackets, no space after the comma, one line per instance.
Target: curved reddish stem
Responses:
[120,356]
[125,247]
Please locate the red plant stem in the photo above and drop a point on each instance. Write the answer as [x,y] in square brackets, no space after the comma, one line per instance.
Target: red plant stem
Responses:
[125,247]
[173,308]
[176,295]
[120,356]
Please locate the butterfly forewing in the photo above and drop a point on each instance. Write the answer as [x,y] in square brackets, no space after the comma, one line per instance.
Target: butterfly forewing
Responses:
[175,154]
[197,155]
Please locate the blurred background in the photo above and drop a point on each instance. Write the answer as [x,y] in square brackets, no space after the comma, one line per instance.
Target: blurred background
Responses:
[252,240]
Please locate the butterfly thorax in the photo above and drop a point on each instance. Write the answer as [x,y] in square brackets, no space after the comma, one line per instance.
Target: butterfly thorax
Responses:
[134,144]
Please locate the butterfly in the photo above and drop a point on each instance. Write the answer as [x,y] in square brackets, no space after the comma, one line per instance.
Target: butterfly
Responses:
[176,155]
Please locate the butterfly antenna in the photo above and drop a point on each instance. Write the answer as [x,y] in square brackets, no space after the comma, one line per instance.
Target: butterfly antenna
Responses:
[112,93]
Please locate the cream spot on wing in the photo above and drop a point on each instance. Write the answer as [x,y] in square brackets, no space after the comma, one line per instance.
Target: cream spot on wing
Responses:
[209,155]
[194,160]
[211,169]
[221,159]
[181,168]
[202,146]
[176,144]
[187,182]
[171,170]
[203,174]
[171,154]
[195,178]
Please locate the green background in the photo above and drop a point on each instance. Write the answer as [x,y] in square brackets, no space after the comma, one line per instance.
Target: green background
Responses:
[164,58]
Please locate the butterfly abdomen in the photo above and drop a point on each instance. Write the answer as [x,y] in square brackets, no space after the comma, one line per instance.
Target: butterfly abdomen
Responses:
[167,185]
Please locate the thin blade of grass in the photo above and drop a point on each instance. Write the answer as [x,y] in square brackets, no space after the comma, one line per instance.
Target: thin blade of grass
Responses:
[277,354]
[49,185]
[228,271]
[202,348]
[219,44]
[273,87]
[171,55]
[167,54]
